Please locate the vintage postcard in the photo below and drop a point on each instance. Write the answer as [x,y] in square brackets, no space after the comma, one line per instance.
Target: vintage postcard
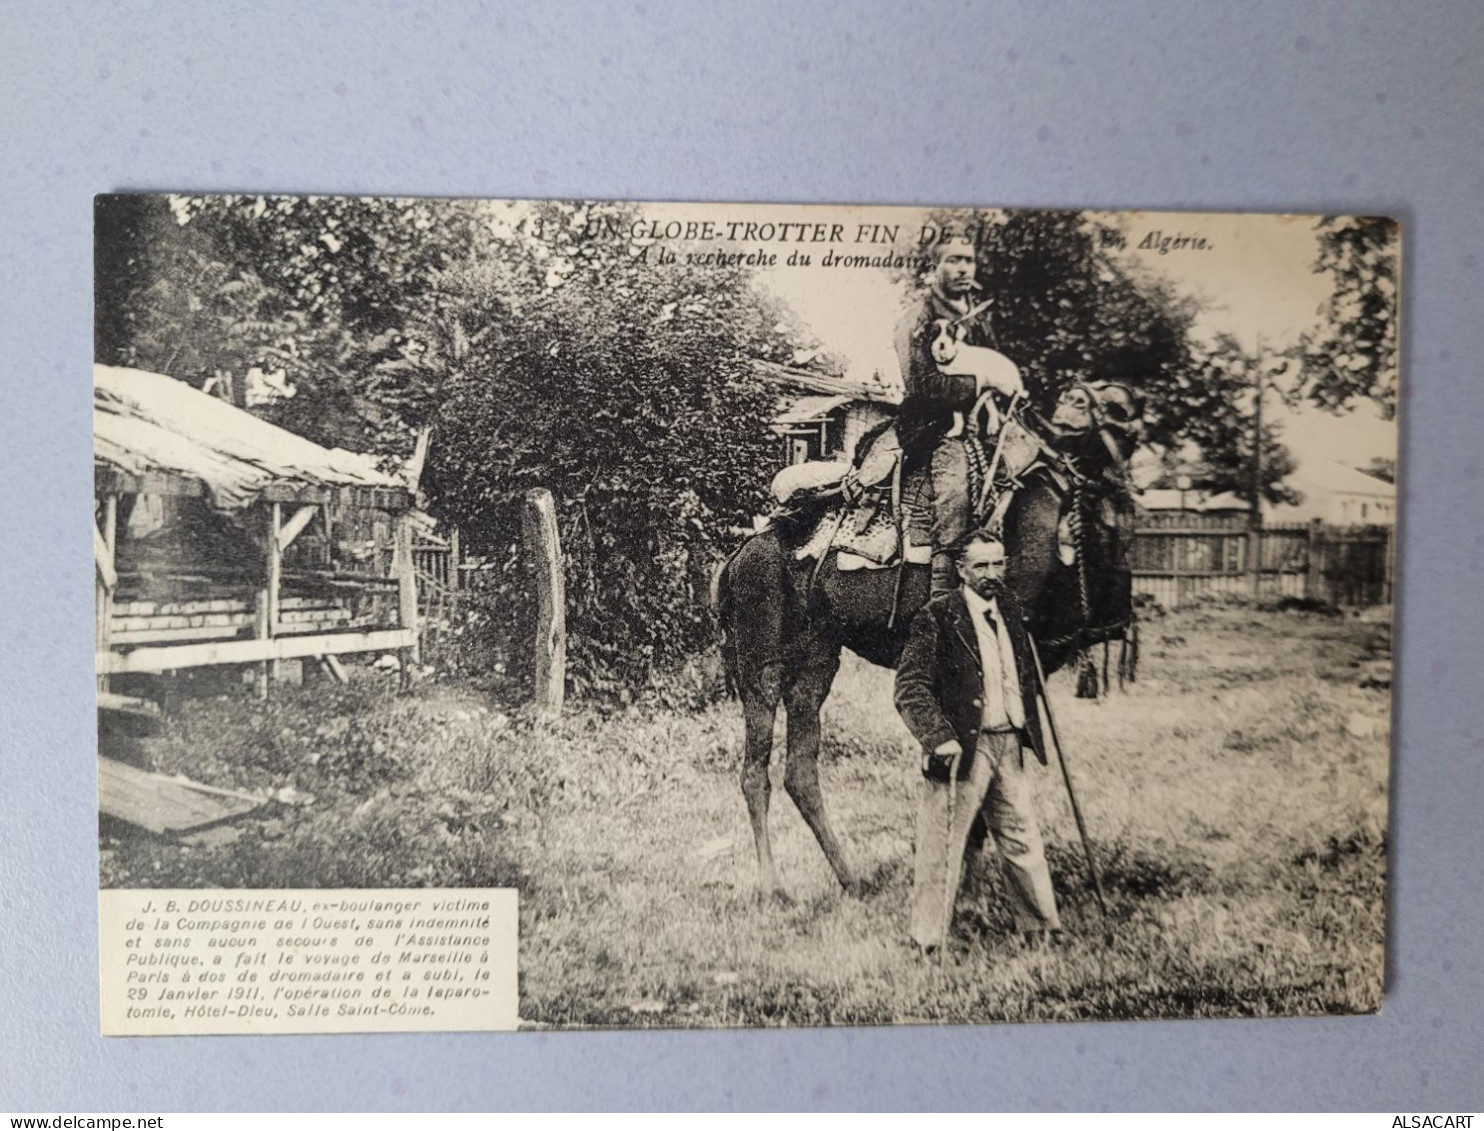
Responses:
[556,614]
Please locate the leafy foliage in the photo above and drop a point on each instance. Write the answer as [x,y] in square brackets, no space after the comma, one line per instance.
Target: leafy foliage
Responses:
[335,293]
[1067,309]
[360,283]
[625,388]
[1356,353]
[1215,408]
[168,300]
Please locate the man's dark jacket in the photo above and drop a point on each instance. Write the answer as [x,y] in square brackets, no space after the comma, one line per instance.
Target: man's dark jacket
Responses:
[940,680]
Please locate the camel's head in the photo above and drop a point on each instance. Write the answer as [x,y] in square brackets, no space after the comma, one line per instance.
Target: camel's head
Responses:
[1075,409]
[1114,410]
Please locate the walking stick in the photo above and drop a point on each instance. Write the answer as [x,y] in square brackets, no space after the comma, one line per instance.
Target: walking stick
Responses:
[901,524]
[950,873]
[1061,760]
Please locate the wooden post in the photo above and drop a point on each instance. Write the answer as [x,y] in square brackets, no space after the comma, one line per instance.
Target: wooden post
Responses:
[1254,531]
[263,630]
[1180,562]
[267,604]
[406,592]
[1314,578]
[107,580]
[544,551]
[1254,555]
[329,524]
[453,559]
[1388,577]
[295,526]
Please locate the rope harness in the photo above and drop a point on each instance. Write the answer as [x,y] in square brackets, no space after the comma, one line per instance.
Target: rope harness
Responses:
[1081,498]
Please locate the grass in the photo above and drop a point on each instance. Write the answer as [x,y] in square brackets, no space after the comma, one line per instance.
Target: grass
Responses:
[1235,796]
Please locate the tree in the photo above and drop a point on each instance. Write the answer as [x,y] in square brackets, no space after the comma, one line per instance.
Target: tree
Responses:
[579,364]
[126,228]
[1354,354]
[168,301]
[358,282]
[1067,308]
[1215,405]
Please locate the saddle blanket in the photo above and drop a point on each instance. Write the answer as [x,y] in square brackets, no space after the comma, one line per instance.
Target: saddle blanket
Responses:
[866,537]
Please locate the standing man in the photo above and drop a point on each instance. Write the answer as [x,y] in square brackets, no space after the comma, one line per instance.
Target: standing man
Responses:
[966,689]
[938,393]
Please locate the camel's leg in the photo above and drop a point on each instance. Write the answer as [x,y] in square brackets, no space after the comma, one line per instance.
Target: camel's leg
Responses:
[759,706]
[803,700]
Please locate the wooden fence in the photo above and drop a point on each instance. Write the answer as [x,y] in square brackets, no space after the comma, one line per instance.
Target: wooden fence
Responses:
[1179,556]
[436,561]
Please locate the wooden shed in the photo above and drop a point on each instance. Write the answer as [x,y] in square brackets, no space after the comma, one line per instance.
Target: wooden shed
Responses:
[223,539]
[823,415]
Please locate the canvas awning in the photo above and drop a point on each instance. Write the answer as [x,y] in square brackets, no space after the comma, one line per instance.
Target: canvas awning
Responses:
[809,410]
[154,434]
[861,384]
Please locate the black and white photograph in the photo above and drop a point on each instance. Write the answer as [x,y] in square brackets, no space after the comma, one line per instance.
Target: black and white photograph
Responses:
[819,615]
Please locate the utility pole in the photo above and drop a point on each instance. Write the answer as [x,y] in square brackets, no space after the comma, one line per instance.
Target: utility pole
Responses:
[1254,526]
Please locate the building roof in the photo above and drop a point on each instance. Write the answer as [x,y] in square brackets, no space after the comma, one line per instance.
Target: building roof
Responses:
[156,434]
[859,385]
[806,410]
[1168,499]
[1334,492]
[1327,476]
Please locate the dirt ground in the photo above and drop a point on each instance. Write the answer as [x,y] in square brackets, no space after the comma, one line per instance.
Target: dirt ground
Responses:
[1235,795]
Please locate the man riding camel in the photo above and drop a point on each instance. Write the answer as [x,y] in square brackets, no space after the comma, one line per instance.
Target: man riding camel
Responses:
[945,349]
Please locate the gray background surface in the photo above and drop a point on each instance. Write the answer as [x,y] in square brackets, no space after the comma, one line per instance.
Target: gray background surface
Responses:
[1346,107]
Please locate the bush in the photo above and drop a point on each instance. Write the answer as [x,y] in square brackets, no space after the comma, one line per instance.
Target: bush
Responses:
[627,390]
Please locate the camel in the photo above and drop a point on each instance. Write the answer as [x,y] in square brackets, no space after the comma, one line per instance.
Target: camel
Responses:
[785,620]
